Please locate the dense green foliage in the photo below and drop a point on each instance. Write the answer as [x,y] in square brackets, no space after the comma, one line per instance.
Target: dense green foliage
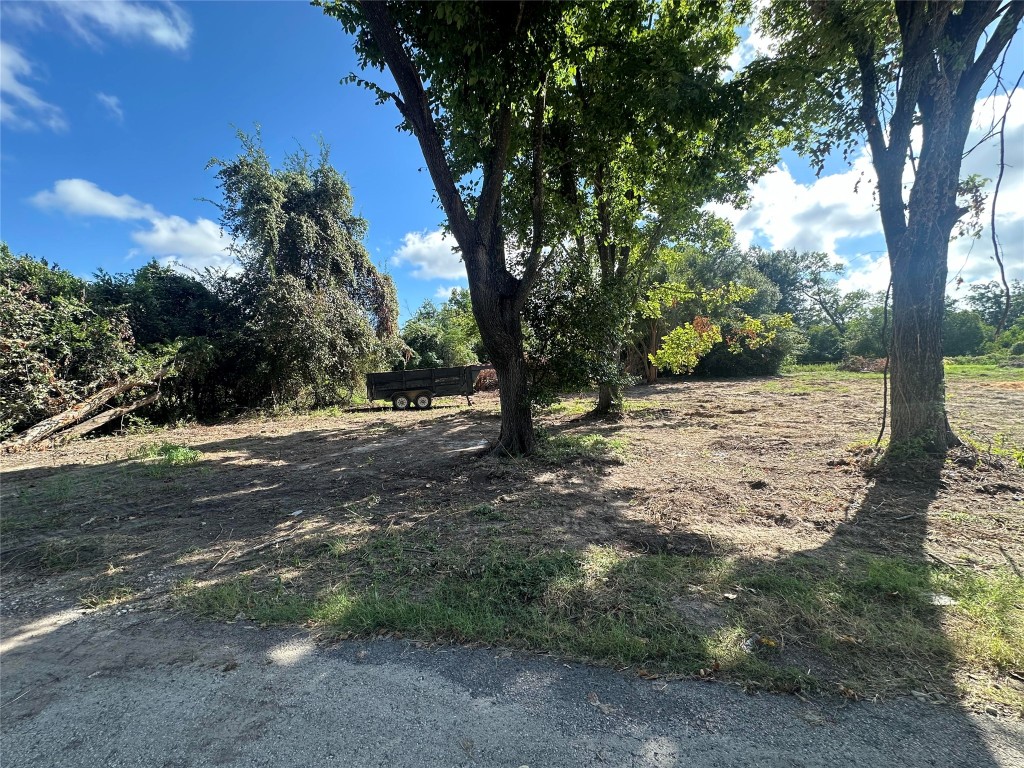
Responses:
[443,336]
[55,347]
[301,321]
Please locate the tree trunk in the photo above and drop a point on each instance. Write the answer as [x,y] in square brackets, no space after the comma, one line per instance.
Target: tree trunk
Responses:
[918,380]
[501,330]
[609,399]
[107,416]
[79,411]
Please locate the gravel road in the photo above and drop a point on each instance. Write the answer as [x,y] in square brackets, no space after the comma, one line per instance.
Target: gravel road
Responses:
[154,689]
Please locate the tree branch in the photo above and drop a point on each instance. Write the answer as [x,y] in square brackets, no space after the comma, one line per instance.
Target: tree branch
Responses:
[417,111]
[974,77]
[533,262]
[494,172]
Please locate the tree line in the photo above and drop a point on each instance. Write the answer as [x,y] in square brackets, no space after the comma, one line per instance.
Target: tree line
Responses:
[574,148]
[566,135]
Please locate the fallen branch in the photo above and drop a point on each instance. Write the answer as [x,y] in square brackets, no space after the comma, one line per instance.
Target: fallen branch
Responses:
[107,416]
[251,550]
[79,411]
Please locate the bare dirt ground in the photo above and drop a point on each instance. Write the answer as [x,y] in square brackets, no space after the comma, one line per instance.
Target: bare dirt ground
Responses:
[765,467]
[752,471]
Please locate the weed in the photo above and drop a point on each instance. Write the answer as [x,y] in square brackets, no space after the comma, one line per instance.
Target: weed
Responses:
[65,554]
[106,593]
[487,512]
[565,448]
[138,425]
[1000,446]
[168,454]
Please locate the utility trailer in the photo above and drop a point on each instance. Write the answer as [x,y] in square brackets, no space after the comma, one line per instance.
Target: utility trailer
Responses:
[418,388]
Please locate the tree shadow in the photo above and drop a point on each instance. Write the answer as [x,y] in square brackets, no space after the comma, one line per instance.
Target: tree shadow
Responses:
[370,504]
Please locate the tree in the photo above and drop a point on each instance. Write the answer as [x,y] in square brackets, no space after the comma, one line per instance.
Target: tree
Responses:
[963,333]
[880,70]
[808,286]
[647,129]
[445,336]
[472,82]
[162,305]
[311,311]
[989,300]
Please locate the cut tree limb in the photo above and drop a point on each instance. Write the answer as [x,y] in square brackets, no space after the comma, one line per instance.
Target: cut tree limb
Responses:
[103,418]
[79,411]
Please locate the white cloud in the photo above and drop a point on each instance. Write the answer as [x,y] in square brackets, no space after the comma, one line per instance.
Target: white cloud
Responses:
[195,244]
[79,197]
[163,24]
[112,104]
[754,44]
[23,14]
[820,215]
[431,255]
[20,106]
[171,239]
[444,292]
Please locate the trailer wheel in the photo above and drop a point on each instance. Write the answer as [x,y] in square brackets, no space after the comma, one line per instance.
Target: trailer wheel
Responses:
[400,401]
[423,400]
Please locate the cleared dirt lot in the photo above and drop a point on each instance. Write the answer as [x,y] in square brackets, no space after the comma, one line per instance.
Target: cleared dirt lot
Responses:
[723,530]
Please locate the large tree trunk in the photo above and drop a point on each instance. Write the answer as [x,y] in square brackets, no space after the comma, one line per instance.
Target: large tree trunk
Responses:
[918,380]
[500,322]
[609,398]
[919,262]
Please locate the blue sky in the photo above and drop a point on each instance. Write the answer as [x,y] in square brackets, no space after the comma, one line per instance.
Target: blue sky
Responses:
[112,110]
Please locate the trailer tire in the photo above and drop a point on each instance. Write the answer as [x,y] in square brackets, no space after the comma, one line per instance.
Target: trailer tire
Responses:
[422,400]
[400,401]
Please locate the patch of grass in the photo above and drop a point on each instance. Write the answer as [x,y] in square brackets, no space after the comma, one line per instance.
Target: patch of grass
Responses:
[105,593]
[574,407]
[1000,446]
[24,520]
[244,598]
[66,554]
[169,454]
[487,512]
[872,625]
[55,490]
[987,371]
[825,373]
[564,448]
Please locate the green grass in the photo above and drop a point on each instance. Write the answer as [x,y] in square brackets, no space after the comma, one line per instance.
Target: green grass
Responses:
[564,448]
[826,372]
[872,623]
[989,372]
[169,454]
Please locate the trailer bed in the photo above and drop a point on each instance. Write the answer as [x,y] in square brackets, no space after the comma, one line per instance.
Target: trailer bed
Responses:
[418,388]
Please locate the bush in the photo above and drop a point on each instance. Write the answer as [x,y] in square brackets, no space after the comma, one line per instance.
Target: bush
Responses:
[824,345]
[55,349]
[738,355]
